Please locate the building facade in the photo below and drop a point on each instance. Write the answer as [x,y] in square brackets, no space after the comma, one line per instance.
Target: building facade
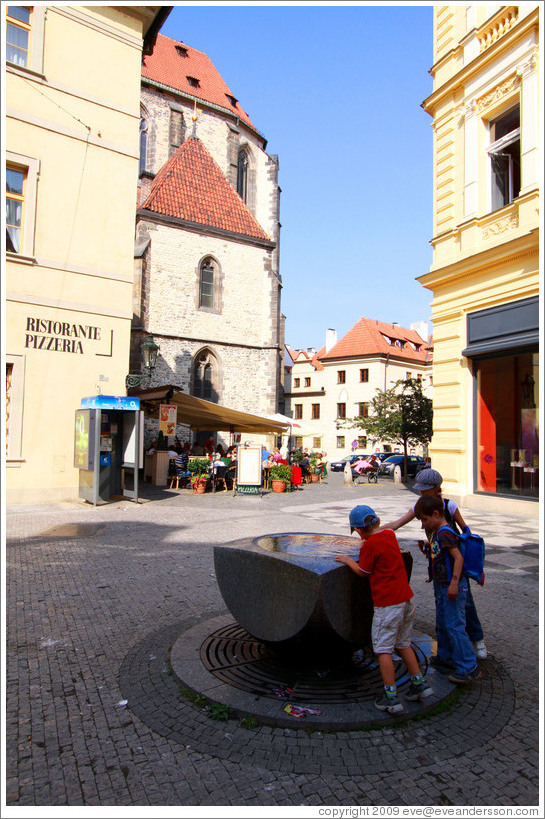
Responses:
[339,382]
[207,282]
[72,151]
[485,271]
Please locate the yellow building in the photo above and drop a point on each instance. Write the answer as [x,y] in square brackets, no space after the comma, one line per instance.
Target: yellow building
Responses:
[485,271]
[72,84]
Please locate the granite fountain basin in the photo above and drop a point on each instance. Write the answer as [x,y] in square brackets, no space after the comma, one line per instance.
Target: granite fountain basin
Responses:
[287,591]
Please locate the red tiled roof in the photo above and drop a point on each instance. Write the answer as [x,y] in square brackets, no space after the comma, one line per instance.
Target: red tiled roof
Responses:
[168,67]
[371,337]
[192,187]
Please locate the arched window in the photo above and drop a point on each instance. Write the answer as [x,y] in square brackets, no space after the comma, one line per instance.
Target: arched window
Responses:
[143,144]
[207,283]
[242,174]
[205,376]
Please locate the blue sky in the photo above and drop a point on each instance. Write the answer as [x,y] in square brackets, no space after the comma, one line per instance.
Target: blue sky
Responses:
[337,91]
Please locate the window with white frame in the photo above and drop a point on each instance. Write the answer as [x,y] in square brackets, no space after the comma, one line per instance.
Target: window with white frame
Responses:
[340,441]
[15,200]
[25,38]
[504,153]
[18,26]
[21,193]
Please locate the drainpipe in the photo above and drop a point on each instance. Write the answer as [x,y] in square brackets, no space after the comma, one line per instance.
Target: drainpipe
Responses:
[385,369]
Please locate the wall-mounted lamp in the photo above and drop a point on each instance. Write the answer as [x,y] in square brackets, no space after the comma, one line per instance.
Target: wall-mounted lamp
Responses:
[149,359]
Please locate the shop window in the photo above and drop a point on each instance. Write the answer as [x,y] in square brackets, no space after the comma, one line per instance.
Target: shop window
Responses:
[307,382]
[508,424]
[341,376]
[364,375]
[315,411]
[504,153]
[316,443]
[15,373]
[362,441]
[298,442]
[18,26]
[340,441]
[341,410]
[298,412]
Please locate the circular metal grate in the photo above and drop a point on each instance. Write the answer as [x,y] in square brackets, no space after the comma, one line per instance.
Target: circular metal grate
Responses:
[238,659]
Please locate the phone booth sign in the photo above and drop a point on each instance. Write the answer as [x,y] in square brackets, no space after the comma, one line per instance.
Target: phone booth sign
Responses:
[107,447]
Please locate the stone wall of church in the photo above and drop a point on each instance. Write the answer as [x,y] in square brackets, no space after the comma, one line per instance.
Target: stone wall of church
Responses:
[248,289]
[222,137]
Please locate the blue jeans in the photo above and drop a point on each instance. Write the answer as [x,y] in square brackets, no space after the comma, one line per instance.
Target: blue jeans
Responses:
[453,644]
[473,624]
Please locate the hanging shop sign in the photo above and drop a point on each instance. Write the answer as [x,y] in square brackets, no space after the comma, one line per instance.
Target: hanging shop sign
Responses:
[167,419]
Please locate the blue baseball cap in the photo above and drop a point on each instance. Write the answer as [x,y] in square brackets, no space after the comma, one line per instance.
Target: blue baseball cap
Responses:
[361,517]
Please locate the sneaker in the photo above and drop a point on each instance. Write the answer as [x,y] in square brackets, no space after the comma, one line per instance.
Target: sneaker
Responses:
[390,704]
[466,678]
[441,665]
[480,650]
[419,691]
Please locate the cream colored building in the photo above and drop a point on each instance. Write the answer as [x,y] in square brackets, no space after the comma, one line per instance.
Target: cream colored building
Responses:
[488,165]
[340,381]
[72,85]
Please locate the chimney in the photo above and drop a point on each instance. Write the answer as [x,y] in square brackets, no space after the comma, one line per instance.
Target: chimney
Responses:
[144,186]
[330,339]
[420,327]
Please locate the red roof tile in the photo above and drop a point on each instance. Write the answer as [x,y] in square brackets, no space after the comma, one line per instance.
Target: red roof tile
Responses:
[169,67]
[192,187]
[371,337]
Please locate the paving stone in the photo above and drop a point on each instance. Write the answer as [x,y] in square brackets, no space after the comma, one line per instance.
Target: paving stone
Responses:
[90,619]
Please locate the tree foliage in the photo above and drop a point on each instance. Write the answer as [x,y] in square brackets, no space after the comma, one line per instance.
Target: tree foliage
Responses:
[399,415]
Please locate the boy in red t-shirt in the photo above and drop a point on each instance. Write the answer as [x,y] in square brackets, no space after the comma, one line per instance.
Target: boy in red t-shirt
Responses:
[381,561]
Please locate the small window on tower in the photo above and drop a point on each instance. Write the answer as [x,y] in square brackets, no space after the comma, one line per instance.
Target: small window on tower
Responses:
[232,100]
[181,50]
[193,82]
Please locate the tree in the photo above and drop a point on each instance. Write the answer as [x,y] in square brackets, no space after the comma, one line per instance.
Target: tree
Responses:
[400,415]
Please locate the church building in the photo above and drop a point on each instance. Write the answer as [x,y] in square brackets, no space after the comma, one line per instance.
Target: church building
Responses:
[207,282]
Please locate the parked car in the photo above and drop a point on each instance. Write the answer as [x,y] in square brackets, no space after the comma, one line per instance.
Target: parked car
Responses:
[414,464]
[338,466]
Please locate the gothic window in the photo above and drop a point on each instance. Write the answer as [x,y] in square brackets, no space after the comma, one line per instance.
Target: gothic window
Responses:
[205,377]
[143,144]
[207,284]
[242,174]
[176,130]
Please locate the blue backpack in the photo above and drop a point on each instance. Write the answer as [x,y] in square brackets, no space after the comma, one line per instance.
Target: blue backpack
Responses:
[472,548]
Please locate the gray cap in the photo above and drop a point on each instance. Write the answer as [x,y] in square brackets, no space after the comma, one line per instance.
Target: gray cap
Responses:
[427,479]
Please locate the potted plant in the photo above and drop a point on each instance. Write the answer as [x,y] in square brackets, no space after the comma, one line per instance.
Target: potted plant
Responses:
[280,474]
[297,457]
[200,469]
[315,475]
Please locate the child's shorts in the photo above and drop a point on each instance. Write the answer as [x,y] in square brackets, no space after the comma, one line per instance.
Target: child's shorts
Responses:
[392,627]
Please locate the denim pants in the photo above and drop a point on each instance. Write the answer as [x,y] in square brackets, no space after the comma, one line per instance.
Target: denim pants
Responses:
[453,644]
[473,624]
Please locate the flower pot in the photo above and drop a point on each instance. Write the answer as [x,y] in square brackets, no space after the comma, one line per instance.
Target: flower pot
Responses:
[314,478]
[278,486]
[199,488]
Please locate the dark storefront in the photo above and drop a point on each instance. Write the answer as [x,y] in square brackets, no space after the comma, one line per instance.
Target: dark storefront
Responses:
[503,343]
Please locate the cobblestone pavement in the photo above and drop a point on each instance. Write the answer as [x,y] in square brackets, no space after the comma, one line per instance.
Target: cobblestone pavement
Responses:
[96,597]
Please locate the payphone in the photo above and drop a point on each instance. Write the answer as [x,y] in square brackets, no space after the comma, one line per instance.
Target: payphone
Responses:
[107,447]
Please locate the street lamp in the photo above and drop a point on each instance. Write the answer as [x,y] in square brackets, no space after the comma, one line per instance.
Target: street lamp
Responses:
[149,359]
